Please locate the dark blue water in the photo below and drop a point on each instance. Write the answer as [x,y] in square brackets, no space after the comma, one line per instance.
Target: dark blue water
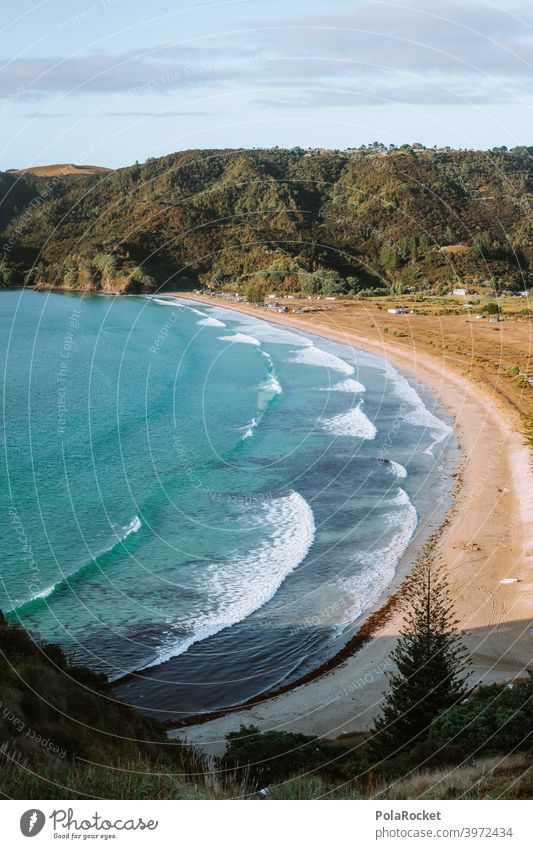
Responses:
[201,495]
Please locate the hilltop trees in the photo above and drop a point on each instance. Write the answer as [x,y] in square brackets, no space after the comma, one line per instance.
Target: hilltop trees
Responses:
[431,663]
[383,213]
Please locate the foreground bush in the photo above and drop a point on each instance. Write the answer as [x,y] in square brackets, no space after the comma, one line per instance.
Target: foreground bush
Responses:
[494,719]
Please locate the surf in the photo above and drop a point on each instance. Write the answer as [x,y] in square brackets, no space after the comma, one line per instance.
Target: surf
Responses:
[242,584]
[132,528]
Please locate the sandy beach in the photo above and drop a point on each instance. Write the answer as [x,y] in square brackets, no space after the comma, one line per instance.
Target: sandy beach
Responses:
[486,541]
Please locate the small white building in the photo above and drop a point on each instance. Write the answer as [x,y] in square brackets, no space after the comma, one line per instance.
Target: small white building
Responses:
[396,311]
[459,291]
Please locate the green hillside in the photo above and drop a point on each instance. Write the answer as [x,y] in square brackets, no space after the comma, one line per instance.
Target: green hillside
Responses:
[402,219]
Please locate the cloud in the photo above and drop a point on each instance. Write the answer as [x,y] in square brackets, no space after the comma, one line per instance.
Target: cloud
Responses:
[378,52]
[362,53]
[452,37]
[164,114]
[47,115]
[384,95]
[140,71]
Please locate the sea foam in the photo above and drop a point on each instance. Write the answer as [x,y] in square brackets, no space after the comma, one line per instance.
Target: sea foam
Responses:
[243,338]
[313,356]
[277,335]
[266,392]
[348,385]
[419,415]
[166,303]
[353,423]
[379,564]
[211,322]
[397,469]
[241,584]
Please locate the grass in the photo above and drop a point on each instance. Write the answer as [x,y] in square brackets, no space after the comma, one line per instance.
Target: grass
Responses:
[508,777]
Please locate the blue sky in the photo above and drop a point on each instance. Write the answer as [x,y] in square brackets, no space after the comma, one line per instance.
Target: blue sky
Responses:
[109,82]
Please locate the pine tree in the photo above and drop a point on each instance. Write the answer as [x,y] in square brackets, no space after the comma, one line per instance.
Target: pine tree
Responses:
[431,661]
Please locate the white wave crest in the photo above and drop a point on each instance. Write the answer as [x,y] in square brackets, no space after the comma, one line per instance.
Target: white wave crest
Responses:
[397,469]
[44,593]
[166,303]
[240,337]
[419,415]
[348,385]
[352,423]
[240,585]
[277,335]
[198,312]
[271,386]
[211,322]
[313,356]
[134,526]
[248,429]
[266,391]
[379,565]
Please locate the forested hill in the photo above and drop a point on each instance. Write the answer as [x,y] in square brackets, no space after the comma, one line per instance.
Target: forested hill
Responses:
[397,219]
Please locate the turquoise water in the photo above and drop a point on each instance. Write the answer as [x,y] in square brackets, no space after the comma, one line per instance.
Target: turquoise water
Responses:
[199,494]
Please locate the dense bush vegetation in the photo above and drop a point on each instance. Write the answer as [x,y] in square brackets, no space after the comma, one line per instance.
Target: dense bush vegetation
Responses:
[321,221]
[494,719]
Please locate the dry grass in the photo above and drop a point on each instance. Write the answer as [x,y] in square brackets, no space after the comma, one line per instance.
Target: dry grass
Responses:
[62,170]
[506,777]
[454,249]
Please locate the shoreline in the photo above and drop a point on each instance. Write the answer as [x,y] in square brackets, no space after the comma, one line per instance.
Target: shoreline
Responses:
[343,694]
[371,620]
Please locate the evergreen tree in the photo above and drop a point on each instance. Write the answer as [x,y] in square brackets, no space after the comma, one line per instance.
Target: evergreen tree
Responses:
[431,662]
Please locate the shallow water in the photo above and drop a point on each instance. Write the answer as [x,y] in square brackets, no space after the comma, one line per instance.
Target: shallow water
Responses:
[200,494]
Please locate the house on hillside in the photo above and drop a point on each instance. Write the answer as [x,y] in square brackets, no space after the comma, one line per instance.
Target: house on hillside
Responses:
[459,291]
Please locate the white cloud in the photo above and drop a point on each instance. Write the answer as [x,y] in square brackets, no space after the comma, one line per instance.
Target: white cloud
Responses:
[371,52]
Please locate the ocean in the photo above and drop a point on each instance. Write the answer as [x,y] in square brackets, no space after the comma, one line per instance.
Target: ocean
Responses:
[198,500]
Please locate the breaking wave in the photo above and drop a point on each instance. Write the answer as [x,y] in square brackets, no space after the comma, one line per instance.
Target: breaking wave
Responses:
[353,423]
[348,385]
[211,322]
[237,586]
[313,356]
[240,337]
[419,415]
[132,528]
[379,565]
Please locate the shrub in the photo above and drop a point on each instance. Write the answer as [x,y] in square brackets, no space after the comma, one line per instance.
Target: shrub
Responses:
[491,308]
[270,757]
[495,719]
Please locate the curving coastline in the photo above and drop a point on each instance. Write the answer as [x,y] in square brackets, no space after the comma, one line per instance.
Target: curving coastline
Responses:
[485,540]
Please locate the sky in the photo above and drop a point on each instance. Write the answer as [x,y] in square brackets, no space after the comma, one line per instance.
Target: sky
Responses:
[111,82]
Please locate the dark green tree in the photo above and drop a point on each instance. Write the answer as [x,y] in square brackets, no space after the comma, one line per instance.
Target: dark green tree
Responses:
[430,659]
